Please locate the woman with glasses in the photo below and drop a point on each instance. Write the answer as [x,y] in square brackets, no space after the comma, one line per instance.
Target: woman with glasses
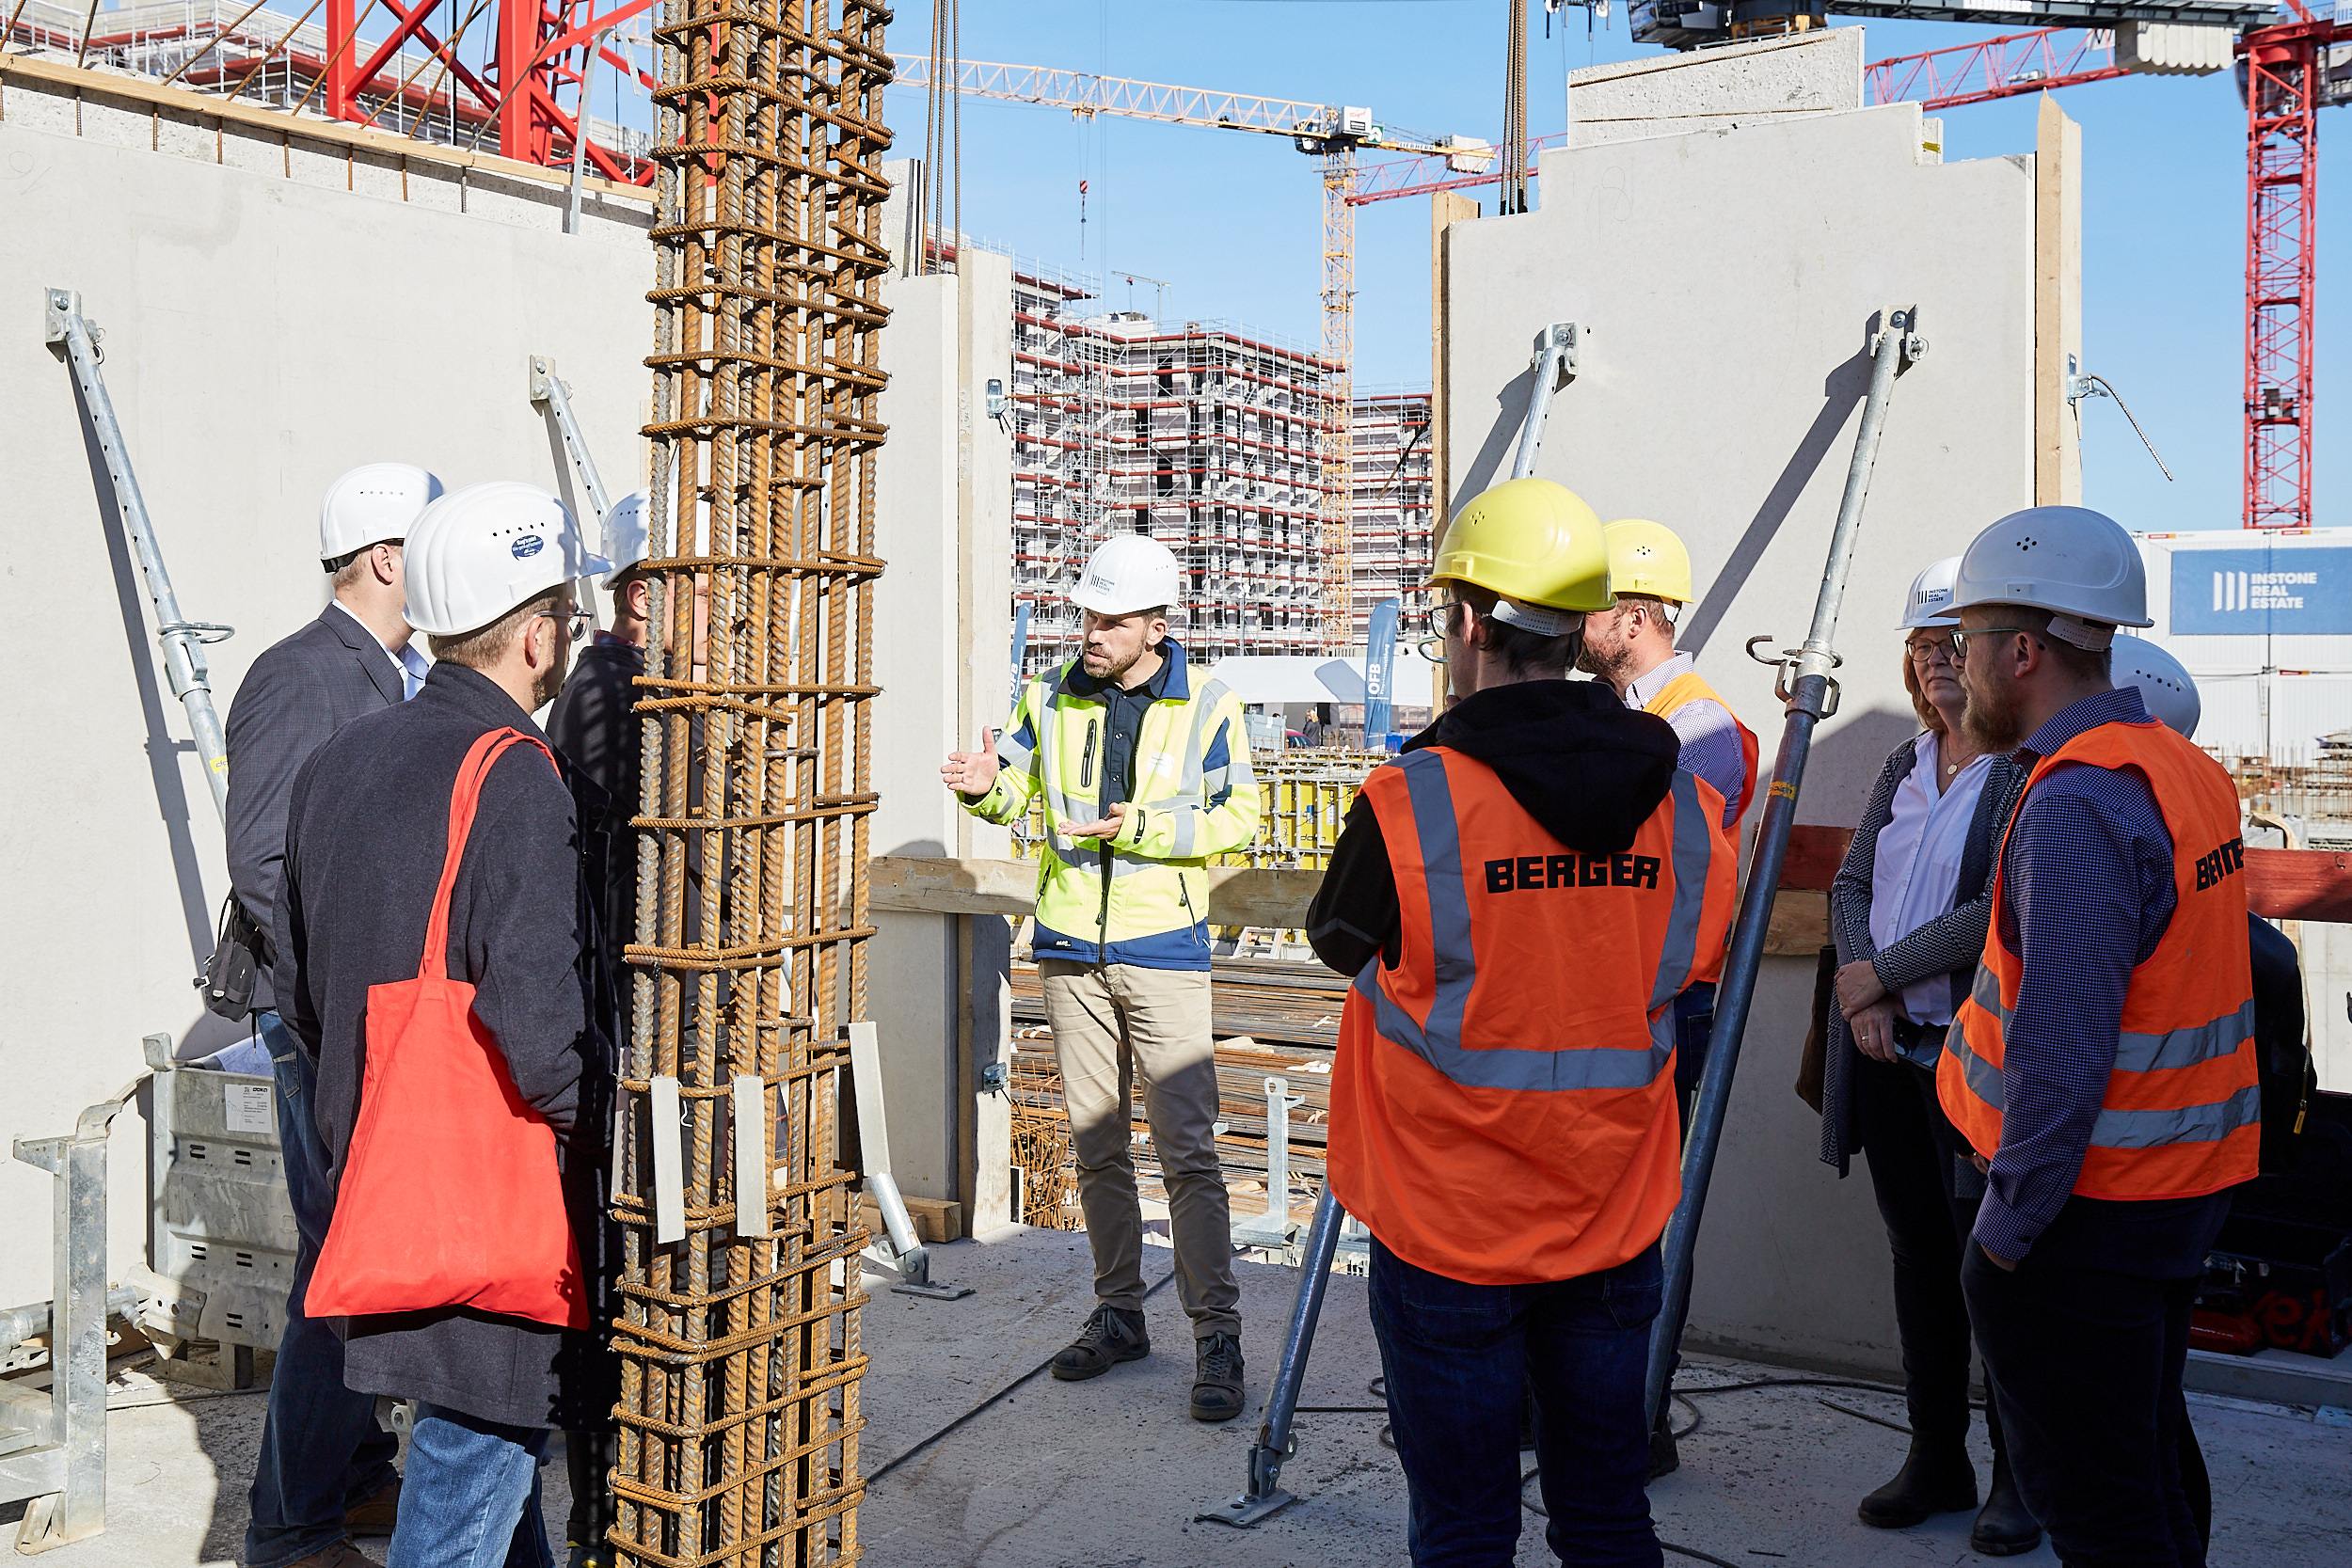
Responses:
[1908,913]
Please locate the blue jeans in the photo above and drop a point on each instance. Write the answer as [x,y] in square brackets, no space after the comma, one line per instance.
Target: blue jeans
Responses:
[322,1449]
[472,1499]
[1456,1356]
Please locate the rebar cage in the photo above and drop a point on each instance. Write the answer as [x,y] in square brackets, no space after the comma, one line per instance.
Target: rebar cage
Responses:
[737,1322]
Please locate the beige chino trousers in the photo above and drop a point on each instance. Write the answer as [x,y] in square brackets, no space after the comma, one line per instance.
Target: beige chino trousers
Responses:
[1110,1021]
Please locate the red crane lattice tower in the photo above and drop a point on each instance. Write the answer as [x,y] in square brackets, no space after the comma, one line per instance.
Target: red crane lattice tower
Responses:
[2282,93]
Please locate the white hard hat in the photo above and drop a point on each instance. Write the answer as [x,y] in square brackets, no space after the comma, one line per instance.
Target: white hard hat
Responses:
[478,552]
[2077,563]
[1127,571]
[625,534]
[374,503]
[2166,688]
[1930,603]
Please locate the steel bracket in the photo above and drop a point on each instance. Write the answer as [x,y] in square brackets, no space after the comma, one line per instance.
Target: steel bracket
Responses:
[1792,679]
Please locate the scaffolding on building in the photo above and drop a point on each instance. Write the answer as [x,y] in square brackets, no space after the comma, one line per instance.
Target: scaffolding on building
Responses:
[1394,522]
[1206,436]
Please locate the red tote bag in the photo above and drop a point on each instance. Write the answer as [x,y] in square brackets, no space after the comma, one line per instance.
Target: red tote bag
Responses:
[450,1194]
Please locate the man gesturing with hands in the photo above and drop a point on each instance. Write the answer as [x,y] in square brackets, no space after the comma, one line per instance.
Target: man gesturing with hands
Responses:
[1145,771]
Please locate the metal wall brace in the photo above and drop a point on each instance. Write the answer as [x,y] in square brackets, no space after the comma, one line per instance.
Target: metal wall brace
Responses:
[183,641]
[1555,366]
[547,391]
[1806,685]
[899,1249]
[1264,1495]
[53,1447]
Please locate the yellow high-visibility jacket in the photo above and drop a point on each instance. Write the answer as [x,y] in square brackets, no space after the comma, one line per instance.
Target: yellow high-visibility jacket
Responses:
[1143,898]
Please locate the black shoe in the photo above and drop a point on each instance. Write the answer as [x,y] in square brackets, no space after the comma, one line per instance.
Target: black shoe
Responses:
[1112,1335]
[1216,1379]
[1933,1480]
[2007,1527]
[1664,1457]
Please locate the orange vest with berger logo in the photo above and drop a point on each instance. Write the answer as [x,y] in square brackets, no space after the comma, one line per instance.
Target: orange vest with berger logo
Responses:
[2183,1111]
[1502,1106]
[1688,688]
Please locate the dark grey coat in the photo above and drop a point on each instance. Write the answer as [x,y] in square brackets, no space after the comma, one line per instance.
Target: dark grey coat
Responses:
[1950,945]
[300,691]
[367,831]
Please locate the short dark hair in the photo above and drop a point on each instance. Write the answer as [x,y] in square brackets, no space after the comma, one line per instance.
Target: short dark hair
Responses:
[484,645]
[1523,652]
[2083,663]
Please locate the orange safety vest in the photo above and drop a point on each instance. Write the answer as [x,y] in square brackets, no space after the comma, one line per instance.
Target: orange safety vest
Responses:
[2183,1111]
[1687,688]
[1502,1106]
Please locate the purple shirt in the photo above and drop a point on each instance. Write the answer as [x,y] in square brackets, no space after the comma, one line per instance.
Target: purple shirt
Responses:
[2086,893]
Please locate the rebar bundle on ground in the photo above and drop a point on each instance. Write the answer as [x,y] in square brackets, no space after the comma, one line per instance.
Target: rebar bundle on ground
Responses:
[738,1326]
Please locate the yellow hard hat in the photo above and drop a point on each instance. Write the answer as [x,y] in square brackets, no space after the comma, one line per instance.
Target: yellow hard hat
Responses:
[1647,558]
[1529,540]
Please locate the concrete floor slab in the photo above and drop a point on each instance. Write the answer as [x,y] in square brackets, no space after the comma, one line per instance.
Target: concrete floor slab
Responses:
[1109,1473]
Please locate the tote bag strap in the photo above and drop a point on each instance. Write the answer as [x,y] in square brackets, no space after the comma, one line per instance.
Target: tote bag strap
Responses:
[464,798]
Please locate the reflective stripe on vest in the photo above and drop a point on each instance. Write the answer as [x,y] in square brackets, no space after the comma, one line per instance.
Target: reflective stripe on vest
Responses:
[1689,688]
[1455,959]
[2181,1112]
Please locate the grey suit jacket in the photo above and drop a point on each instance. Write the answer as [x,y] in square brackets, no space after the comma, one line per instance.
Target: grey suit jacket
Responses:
[296,694]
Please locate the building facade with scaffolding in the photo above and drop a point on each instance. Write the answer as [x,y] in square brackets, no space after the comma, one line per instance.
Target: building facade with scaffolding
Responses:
[1393,514]
[1205,436]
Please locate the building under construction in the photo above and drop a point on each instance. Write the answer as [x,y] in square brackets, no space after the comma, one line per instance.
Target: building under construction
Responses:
[1393,512]
[1206,436]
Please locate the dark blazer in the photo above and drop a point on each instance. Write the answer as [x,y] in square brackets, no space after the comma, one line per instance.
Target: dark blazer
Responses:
[366,835]
[1951,944]
[297,693]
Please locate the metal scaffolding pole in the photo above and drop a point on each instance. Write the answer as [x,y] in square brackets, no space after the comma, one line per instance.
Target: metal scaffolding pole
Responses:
[739,1331]
[1810,690]
[183,641]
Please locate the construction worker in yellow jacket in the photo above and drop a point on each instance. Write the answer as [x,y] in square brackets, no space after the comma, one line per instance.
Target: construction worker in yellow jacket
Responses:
[1520,897]
[1144,768]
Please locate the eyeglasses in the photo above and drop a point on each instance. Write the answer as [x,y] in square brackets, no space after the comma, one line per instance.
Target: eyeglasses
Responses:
[1962,639]
[1431,625]
[1926,650]
[576,619]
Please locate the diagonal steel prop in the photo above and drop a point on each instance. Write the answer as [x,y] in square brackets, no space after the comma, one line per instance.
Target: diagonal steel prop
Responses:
[1810,690]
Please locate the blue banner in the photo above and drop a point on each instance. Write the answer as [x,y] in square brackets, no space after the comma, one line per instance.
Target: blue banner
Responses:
[1020,645]
[2262,591]
[1380,667]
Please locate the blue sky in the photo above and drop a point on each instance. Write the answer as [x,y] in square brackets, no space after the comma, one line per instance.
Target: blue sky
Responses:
[1232,222]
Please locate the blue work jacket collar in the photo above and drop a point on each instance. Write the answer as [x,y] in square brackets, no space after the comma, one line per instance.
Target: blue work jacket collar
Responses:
[1170,684]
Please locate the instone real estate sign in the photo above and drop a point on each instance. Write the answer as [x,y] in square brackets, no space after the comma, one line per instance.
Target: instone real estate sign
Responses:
[2263,592]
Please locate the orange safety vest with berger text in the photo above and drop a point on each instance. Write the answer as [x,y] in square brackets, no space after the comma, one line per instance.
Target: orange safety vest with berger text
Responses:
[1688,688]
[2183,1111]
[1502,1106]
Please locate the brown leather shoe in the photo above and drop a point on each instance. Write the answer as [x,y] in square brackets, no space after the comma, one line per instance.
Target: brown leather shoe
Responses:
[342,1554]
[377,1515]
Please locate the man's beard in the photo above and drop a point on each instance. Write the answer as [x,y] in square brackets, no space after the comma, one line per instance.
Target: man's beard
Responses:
[1112,672]
[1990,717]
[1607,664]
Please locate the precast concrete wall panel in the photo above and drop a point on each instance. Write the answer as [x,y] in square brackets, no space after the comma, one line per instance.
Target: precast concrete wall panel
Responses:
[263,333]
[1727,283]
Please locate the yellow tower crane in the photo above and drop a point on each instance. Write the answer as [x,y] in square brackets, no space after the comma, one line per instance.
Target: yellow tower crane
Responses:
[1330,133]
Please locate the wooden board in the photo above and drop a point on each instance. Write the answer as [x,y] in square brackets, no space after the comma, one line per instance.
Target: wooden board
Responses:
[1815,853]
[2299,885]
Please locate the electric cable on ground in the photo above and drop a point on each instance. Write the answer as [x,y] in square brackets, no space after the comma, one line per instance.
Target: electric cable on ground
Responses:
[994,1399]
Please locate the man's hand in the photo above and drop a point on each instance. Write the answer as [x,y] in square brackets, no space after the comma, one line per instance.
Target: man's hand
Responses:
[1874,1031]
[2008,1265]
[973,773]
[1105,828]
[1857,987]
